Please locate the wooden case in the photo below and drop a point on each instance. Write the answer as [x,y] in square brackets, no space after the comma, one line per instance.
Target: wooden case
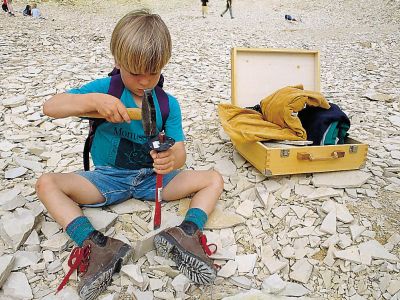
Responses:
[257,73]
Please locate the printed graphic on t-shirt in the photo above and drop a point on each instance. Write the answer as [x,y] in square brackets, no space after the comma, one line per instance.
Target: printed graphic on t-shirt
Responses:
[131,155]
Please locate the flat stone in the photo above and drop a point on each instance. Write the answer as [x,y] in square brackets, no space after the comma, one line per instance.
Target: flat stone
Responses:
[134,274]
[17,286]
[281,211]
[130,206]
[245,209]
[16,229]
[273,264]
[225,167]
[6,265]
[218,219]
[50,228]
[15,172]
[395,120]
[25,258]
[350,254]
[273,284]
[329,223]
[14,101]
[294,290]
[147,295]
[100,219]
[323,192]
[343,179]
[241,281]
[57,242]
[394,287]
[301,271]
[356,231]
[180,283]
[229,269]
[373,249]
[246,262]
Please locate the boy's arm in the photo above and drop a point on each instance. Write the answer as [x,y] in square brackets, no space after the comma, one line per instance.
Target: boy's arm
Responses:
[67,105]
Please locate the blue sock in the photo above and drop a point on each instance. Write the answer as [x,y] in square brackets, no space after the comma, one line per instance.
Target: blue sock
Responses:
[197,216]
[79,229]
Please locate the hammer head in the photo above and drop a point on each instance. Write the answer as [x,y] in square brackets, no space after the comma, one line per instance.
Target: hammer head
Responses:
[149,114]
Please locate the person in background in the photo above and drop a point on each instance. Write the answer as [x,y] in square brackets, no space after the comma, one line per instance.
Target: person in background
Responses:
[228,7]
[27,11]
[10,8]
[204,8]
[4,6]
[36,12]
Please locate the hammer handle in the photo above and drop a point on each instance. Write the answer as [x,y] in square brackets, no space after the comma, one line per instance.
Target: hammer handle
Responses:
[134,114]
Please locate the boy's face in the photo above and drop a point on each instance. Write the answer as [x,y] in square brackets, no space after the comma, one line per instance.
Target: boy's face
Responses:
[137,83]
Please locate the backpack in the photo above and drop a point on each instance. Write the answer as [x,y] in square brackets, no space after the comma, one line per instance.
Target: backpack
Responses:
[116,89]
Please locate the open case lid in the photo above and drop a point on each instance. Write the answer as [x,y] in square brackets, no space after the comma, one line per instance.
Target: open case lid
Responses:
[257,73]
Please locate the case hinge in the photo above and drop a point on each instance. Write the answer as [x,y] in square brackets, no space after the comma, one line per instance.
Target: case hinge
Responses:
[285,152]
[353,149]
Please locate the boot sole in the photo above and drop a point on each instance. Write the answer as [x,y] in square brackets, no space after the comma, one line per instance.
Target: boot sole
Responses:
[189,264]
[96,285]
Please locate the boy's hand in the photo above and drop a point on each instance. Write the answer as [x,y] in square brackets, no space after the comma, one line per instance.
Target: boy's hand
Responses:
[163,161]
[111,108]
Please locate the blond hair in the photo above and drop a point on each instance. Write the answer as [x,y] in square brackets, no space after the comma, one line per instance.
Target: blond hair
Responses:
[141,42]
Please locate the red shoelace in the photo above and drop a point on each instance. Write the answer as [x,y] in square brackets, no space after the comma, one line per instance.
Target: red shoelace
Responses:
[78,260]
[205,246]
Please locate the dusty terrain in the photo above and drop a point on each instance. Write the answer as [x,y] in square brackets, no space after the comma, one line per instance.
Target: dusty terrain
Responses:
[360,54]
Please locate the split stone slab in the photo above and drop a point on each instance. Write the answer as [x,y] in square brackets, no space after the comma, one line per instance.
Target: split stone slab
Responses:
[273,284]
[130,206]
[246,262]
[57,242]
[373,249]
[301,271]
[218,219]
[181,283]
[329,223]
[343,179]
[245,209]
[229,269]
[15,229]
[6,265]
[134,274]
[17,285]
[101,220]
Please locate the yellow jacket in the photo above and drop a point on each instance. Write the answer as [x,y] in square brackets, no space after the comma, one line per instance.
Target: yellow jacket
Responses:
[278,120]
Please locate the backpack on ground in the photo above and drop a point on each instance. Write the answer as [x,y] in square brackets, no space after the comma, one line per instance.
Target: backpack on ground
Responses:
[116,89]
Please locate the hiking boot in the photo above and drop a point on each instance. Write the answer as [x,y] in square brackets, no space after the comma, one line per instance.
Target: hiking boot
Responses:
[189,252]
[97,260]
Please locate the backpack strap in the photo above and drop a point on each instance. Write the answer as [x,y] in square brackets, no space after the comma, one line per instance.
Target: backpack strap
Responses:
[163,101]
[116,89]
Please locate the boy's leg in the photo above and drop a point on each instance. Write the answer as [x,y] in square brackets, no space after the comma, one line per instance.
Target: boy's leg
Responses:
[186,244]
[101,256]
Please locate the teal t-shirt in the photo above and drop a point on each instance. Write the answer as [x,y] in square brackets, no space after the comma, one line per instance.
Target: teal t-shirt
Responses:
[123,145]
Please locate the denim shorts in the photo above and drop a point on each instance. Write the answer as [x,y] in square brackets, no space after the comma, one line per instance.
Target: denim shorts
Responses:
[117,185]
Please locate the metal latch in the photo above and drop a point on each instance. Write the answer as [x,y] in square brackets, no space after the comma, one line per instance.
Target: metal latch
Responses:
[353,149]
[285,152]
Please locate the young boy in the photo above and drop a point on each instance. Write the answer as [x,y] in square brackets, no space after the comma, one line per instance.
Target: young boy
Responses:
[141,46]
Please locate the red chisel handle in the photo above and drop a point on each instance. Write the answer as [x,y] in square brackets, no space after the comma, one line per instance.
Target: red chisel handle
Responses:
[159,186]
[157,212]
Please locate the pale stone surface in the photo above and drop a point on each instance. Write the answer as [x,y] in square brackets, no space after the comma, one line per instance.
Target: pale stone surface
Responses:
[74,49]
[17,286]
[342,179]
[6,265]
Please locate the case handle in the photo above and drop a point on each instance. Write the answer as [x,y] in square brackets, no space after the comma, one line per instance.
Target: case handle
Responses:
[310,157]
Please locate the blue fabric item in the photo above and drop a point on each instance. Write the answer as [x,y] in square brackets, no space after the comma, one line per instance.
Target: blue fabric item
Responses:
[80,229]
[197,216]
[121,145]
[316,121]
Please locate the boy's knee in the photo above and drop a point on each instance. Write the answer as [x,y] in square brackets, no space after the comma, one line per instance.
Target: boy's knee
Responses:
[43,183]
[216,180]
